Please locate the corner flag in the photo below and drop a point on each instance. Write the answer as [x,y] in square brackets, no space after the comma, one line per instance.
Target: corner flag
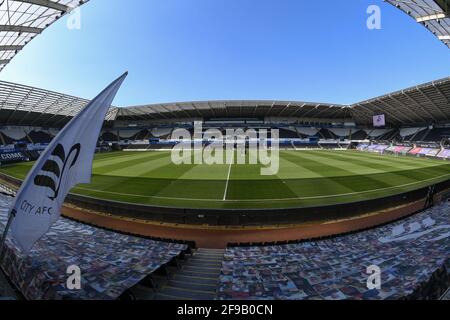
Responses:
[66,162]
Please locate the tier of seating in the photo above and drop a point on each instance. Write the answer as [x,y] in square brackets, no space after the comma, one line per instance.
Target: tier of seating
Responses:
[413,256]
[111,262]
[39,137]
[398,149]
[436,134]
[377,148]
[12,135]
[288,134]
[426,151]
[109,137]
[430,152]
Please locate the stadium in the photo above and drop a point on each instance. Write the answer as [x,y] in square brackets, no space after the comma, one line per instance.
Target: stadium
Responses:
[357,185]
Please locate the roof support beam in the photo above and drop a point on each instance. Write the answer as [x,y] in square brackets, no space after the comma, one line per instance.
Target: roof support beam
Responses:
[47,4]
[299,108]
[20,29]
[284,109]
[438,90]
[212,110]
[142,116]
[254,110]
[307,113]
[417,105]
[11,48]
[321,112]
[182,110]
[432,103]
[198,111]
[376,107]
[270,110]
[361,115]
[390,111]
[337,111]
[46,110]
[432,17]
[6,61]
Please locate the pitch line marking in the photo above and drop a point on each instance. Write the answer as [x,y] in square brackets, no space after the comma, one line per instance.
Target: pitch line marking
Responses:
[226,185]
[264,200]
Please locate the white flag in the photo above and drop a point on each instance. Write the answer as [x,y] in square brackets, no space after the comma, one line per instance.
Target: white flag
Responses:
[66,162]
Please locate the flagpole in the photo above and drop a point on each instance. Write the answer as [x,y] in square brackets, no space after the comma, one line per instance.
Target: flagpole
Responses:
[12,215]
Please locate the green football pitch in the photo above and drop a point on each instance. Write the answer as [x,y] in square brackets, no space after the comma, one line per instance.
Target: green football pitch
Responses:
[305,178]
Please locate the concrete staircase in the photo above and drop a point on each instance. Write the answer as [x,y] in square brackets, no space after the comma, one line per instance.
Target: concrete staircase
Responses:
[196,280]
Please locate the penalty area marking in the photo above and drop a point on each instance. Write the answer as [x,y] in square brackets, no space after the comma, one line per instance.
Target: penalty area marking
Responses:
[263,200]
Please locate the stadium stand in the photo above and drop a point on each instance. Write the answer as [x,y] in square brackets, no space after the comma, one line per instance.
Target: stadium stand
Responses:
[403,150]
[288,134]
[359,135]
[326,134]
[436,134]
[196,280]
[428,150]
[123,260]
[413,255]
[39,137]
[6,140]
[109,136]
[445,154]
[306,125]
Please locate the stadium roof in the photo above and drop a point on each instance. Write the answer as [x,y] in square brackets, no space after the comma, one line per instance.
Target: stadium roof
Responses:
[22,20]
[24,105]
[234,108]
[433,14]
[425,104]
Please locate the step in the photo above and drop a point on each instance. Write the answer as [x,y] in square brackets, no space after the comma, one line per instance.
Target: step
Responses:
[206,261]
[193,285]
[205,280]
[206,257]
[207,269]
[200,274]
[210,253]
[210,250]
[162,296]
[188,293]
[203,265]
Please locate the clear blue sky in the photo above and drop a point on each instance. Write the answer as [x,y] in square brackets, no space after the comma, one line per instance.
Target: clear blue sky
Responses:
[182,50]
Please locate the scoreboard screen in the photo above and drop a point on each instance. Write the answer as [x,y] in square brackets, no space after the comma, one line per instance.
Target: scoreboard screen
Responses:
[379,120]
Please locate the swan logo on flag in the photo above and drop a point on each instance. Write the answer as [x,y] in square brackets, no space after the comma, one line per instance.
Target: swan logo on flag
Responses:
[57,167]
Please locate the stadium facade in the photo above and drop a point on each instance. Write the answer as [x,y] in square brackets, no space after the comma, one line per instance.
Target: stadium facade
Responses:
[409,111]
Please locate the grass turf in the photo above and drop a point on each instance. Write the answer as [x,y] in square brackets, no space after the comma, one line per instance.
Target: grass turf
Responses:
[306,178]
